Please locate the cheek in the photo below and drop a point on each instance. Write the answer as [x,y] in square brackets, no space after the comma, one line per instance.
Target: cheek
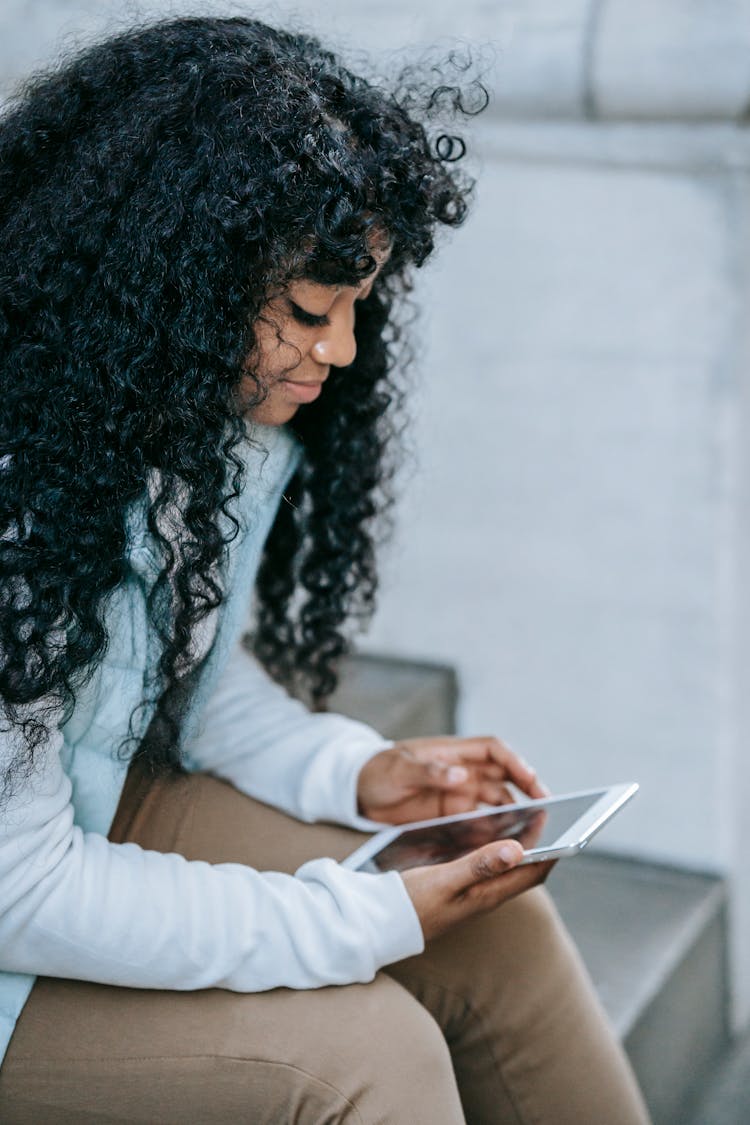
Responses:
[271,411]
[277,351]
[248,390]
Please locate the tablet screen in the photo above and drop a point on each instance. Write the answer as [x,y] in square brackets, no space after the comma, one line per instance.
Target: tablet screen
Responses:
[534,827]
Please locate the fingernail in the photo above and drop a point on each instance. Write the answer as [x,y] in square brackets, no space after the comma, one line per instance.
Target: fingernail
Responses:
[456,774]
[508,854]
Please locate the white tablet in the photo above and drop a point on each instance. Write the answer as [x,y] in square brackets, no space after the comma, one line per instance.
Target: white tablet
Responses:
[548,829]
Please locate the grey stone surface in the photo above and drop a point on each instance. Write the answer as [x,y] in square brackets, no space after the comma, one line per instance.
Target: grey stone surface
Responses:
[672,59]
[676,148]
[401,699]
[726,1100]
[682,1036]
[634,923]
[654,941]
[737,766]
[543,58]
[653,59]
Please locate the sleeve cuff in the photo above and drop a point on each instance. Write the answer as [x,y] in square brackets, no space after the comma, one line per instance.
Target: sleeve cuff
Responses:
[385,913]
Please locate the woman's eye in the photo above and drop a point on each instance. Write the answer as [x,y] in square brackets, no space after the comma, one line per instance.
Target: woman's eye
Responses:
[312,320]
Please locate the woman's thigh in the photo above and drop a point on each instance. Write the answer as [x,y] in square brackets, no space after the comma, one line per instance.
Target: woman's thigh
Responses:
[86,1052]
[364,1054]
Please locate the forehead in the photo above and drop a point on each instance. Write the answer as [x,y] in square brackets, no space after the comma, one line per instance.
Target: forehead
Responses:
[316,296]
[313,283]
[314,264]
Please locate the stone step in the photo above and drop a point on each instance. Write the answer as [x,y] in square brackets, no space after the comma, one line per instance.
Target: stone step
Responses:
[399,698]
[726,1099]
[654,941]
[653,938]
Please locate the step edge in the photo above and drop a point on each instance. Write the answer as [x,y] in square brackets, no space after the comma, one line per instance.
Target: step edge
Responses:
[652,983]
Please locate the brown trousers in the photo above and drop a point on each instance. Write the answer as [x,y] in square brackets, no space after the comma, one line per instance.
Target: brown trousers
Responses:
[495,1022]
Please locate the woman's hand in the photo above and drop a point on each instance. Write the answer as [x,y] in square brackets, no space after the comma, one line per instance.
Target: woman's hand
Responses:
[447,893]
[421,778]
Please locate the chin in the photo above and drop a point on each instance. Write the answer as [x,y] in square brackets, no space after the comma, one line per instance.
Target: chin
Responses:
[272,414]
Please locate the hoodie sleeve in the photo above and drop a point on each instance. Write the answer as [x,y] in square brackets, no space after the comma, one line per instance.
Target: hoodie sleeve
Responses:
[73,904]
[273,748]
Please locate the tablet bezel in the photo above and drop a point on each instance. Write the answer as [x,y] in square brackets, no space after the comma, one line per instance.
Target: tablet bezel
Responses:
[571,842]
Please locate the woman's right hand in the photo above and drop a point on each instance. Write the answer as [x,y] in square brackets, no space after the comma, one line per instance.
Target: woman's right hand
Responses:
[445,894]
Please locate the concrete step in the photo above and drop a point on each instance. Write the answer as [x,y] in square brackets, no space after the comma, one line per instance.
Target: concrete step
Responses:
[654,940]
[652,937]
[399,698]
[726,1100]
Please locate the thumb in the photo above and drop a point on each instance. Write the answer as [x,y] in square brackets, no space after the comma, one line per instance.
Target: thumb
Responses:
[487,862]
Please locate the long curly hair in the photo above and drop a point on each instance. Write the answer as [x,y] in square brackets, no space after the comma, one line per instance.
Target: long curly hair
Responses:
[153,192]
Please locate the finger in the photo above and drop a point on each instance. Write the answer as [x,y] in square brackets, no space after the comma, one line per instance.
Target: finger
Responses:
[515,768]
[471,752]
[433,771]
[490,771]
[484,864]
[495,793]
[488,751]
[460,802]
[493,893]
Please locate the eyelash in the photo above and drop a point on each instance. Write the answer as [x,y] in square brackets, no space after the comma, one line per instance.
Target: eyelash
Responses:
[307,318]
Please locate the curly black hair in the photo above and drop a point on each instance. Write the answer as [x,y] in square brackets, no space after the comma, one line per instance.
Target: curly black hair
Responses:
[154,191]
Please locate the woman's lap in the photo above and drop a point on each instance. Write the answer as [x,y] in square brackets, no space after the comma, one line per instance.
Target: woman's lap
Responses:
[507,991]
[87,1052]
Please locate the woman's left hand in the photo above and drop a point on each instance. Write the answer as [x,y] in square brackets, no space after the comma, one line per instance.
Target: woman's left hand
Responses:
[421,778]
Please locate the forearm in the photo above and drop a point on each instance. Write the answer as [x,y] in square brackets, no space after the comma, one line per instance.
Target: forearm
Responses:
[273,748]
[73,904]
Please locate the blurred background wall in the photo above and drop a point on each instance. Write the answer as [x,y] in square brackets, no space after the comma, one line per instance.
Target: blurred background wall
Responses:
[574,533]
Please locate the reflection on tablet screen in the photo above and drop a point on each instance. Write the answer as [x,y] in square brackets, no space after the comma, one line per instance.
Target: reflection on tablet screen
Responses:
[441,843]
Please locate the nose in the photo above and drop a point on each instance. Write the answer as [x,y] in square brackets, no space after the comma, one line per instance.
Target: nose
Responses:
[336,345]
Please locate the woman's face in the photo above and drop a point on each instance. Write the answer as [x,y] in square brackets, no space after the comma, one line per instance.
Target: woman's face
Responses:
[301,333]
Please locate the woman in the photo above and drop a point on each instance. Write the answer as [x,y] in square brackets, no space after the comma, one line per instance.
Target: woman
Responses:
[191,216]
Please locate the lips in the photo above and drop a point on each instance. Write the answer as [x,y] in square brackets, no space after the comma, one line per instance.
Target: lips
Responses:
[302,392]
